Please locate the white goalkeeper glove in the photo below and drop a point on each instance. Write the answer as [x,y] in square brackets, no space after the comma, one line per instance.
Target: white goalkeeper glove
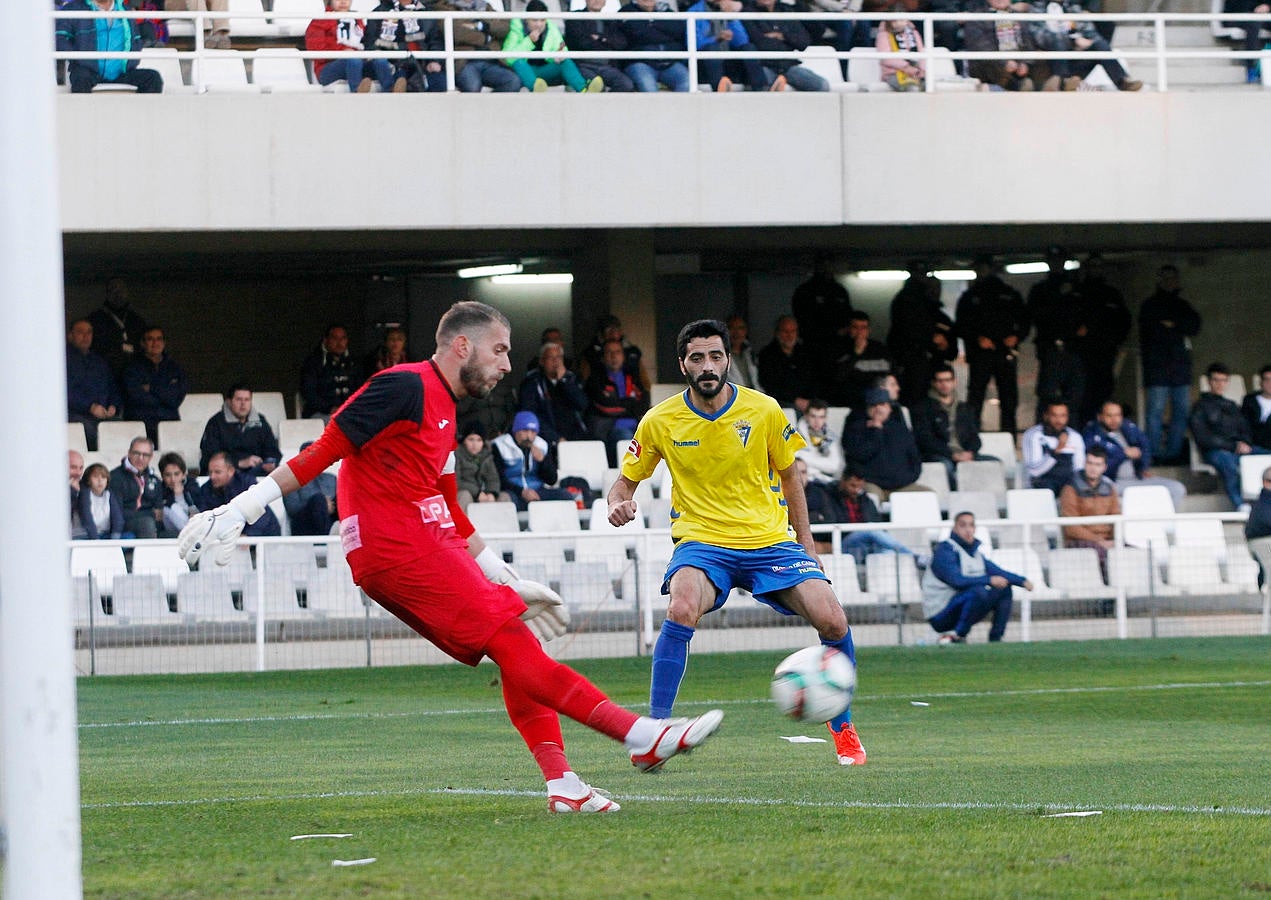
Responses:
[547,616]
[215,531]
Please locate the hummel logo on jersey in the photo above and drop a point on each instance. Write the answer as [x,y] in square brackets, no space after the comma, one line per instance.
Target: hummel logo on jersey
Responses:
[443,423]
[743,431]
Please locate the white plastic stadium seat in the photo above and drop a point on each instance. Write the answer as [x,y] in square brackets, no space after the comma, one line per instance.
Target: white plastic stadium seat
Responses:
[206,596]
[944,73]
[1128,569]
[103,563]
[273,407]
[159,558]
[294,432]
[164,61]
[498,517]
[935,476]
[331,591]
[919,511]
[583,459]
[864,70]
[1074,571]
[300,13]
[200,407]
[1001,445]
[75,437]
[113,439]
[1251,469]
[841,569]
[1195,570]
[281,70]
[587,586]
[1030,505]
[1025,561]
[554,515]
[983,475]
[217,71]
[982,504]
[662,390]
[880,573]
[247,19]
[141,599]
[1148,500]
[182,438]
[820,59]
[1206,533]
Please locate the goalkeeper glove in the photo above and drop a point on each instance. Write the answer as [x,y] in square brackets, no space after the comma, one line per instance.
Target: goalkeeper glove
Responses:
[216,530]
[546,616]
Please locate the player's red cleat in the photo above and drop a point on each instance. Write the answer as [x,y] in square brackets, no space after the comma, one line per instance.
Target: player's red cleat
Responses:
[848,746]
[677,736]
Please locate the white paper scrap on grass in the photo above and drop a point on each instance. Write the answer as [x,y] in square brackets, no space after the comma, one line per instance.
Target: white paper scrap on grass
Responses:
[802,739]
[1081,814]
[918,703]
[305,837]
[353,862]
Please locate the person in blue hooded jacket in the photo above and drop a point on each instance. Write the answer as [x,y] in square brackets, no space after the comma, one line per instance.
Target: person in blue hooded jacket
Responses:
[962,586]
[104,35]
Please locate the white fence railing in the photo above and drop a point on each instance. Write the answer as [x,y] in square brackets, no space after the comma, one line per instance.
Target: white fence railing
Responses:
[1161,53]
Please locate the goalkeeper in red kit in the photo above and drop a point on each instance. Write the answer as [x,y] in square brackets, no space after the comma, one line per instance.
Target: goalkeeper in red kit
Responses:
[413,551]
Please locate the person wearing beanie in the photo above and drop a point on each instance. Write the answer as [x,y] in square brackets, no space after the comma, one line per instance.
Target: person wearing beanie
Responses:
[540,35]
[527,463]
[476,474]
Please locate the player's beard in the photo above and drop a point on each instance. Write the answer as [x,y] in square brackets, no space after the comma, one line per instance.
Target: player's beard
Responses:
[713,390]
[476,382]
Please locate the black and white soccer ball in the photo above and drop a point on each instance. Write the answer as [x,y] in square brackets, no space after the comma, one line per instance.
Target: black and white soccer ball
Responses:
[814,684]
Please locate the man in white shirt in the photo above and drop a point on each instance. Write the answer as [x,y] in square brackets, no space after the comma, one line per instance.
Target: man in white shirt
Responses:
[1257,409]
[1052,451]
[824,452]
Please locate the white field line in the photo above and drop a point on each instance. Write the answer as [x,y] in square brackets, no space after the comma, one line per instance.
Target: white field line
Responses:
[714,801]
[311,717]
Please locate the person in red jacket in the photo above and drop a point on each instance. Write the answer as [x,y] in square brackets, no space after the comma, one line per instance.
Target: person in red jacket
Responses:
[345,36]
[412,550]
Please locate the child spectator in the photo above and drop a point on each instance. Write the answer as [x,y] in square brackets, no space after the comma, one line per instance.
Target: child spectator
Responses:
[178,504]
[475,472]
[99,510]
[344,36]
[900,36]
[531,35]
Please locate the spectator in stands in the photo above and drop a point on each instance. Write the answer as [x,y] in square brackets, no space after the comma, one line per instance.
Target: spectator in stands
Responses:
[413,34]
[1091,493]
[1129,455]
[962,586]
[1256,409]
[851,365]
[900,36]
[1253,33]
[329,375]
[241,433]
[311,509]
[1004,35]
[921,335]
[215,31]
[1052,451]
[223,484]
[609,328]
[944,427]
[882,447]
[617,401]
[139,490]
[476,475]
[154,385]
[493,412]
[391,352]
[848,503]
[178,501]
[598,35]
[1075,35]
[743,366]
[529,35]
[822,308]
[1221,433]
[782,35]
[1108,325]
[716,35]
[1166,323]
[654,36]
[105,35]
[1259,522]
[527,463]
[556,397]
[550,335]
[486,35]
[823,454]
[345,37]
[786,367]
[75,460]
[100,513]
[91,393]
[1055,308]
[991,319]
[117,327]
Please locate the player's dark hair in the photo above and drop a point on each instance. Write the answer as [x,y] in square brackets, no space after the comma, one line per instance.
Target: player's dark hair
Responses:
[702,328]
[1097,450]
[468,316]
[1217,368]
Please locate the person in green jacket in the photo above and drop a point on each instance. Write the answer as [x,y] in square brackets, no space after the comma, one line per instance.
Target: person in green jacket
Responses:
[531,35]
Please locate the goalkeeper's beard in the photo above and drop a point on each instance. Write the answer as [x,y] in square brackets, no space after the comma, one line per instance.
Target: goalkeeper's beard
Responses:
[475,383]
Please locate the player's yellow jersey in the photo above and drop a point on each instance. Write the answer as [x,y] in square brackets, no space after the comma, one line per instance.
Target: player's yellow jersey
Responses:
[724,484]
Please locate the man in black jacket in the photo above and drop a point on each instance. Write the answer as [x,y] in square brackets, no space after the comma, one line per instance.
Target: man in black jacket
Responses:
[1166,323]
[556,396]
[598,35]
[139,490]
[654,35]
[783,36]
[944,427]
[329,375]
[1057,312]
[1257,409]
[881,447]
[1108,320]
[240,432]
[991,319]
[1221,433]
[921,335]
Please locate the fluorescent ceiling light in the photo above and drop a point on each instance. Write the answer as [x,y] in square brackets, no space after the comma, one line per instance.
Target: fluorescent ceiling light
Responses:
[1037,268]
[486,271]
[883,275]
[955,274]
[545,278]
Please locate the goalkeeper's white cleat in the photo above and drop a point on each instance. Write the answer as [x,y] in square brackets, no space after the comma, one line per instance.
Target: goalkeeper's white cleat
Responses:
[676,736]
[572,795]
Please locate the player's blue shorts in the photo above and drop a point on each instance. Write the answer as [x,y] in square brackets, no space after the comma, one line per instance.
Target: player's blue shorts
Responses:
[763,571]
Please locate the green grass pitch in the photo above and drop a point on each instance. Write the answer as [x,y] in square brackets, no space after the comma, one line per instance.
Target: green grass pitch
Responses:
[193,785]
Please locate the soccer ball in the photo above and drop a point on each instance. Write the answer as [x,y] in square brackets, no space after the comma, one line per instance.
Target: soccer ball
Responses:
[814,685]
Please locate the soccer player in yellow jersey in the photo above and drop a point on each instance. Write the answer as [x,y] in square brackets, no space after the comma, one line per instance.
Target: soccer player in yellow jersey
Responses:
[738,517]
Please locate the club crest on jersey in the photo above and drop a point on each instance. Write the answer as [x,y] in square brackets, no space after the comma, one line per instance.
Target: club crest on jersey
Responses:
[743,431]
[634,448]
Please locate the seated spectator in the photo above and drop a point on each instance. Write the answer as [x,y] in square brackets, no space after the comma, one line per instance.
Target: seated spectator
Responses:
[1221,433]
[178,501]
[215,31]
[347,36]
[154,385]
[91,393]
[847,502]
[111,35]
[654,36]
[1006,35]
[1091,493]
[139,490]
[527,463]
[1252,33]
[117,328]
[597,35]
[1052,451]
[609,328]
[944,426]
[541,35]
[743,365]
[823,454]
[1259,522]
[1129,453]
[476,475]
[900,36]
[782,35]
[853,364]
[556,397]
[415,35]
[882,447]
[312,508]
[100,512]
[75,460]
[329,375]
[617,401]
[391,352]
[550,335]
[786,368]
[223,484]
[493,412]
[1075,35]
[1256,409]
[716,35]
[962,586]
[242,433]
[486,35]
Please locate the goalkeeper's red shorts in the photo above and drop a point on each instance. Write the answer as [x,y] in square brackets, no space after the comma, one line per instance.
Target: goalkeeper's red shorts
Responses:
[445,597]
